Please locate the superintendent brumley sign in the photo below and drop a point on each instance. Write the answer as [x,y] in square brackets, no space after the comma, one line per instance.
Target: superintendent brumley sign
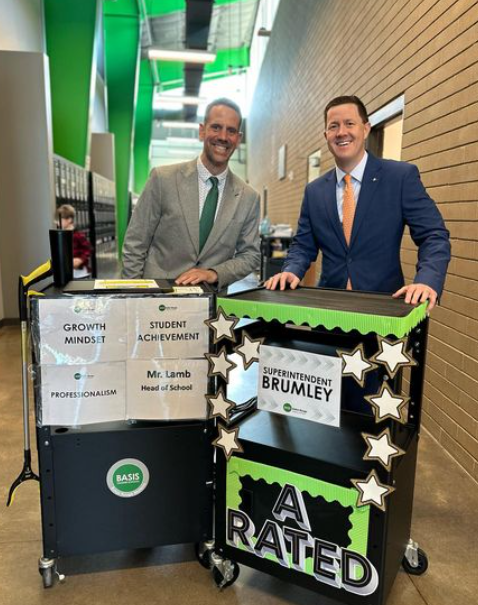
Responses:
[296,383]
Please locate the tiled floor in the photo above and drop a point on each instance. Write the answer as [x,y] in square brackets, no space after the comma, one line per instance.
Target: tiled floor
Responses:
[445,524]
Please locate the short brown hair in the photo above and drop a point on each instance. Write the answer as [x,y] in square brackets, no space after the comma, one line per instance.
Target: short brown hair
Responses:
[347,100]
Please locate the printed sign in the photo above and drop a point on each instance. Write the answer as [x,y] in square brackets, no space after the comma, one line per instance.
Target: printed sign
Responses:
[75,395]
[167,327]
[303,524]
[166,389]
[127,478]
[187,290]
[300,384]
[125,284]
[82,330]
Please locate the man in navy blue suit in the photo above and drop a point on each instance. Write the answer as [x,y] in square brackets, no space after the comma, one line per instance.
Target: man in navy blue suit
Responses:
[384,196]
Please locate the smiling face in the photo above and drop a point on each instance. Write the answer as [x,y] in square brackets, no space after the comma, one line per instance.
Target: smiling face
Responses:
[220,135]
[346,134]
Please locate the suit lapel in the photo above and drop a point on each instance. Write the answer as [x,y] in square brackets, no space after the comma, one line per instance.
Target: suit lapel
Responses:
[370,185]
[227,208]
[188,190]
[330,194]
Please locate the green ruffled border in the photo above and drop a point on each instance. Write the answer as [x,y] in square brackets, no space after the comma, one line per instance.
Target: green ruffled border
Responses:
[328,318]
[359,517]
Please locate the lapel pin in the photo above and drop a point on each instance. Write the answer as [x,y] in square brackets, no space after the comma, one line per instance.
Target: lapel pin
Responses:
[374,179]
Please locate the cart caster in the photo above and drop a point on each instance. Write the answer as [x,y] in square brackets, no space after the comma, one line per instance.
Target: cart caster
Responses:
[415,560]
[204,551]
[48,571]
[47,577]
[224,572]
[47,568]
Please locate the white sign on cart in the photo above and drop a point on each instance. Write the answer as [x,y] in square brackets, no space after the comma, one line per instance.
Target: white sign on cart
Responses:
[109,358]
[300,384]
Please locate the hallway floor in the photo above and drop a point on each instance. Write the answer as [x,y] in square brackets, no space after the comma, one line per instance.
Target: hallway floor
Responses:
[445,525]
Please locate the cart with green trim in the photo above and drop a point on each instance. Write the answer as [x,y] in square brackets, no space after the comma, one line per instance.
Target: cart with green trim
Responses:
[316,485]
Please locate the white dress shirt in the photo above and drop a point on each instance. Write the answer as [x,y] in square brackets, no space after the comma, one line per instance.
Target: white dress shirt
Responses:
[205,184]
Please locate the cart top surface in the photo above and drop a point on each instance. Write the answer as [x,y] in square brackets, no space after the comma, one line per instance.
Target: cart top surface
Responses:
[348,310]
[86,287]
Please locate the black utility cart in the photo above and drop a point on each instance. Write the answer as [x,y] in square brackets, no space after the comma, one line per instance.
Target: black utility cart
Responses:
[327,507]
[133,481]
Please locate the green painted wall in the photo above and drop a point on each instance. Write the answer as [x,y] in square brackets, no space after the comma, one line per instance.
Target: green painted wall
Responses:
[122,42]
[228,61]
[70,35]
[143,125]
[121,8]
[163,7]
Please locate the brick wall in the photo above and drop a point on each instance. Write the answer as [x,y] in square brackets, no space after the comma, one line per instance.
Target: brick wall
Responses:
[380,49]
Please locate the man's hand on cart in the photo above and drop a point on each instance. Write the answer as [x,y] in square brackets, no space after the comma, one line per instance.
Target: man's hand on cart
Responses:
[418,293]
[283,280]
[195,276]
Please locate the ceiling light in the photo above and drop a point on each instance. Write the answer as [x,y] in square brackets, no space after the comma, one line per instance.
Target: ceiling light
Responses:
[178,125]
[179,152]
[163,99]
[188,56]
[183,141]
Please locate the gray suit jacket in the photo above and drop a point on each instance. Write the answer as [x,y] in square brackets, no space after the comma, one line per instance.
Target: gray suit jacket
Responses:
[162,239]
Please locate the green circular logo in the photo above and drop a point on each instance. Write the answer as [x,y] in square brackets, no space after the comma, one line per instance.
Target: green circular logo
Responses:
[127,478]
[77,376]
[287,407]
[77,309]
[162,307]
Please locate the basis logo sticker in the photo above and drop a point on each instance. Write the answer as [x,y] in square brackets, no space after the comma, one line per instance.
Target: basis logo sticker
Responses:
[127,478]
[79,375]
[167,308]
[85,305]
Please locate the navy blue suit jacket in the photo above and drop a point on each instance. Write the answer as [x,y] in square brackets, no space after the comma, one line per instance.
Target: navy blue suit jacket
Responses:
[391,196]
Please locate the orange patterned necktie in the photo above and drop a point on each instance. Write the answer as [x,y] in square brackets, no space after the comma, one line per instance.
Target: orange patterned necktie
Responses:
[348,208]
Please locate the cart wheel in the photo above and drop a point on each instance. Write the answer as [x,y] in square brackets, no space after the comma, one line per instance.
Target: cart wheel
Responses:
[232,574]
[203,555]
[47,577]
[420,568]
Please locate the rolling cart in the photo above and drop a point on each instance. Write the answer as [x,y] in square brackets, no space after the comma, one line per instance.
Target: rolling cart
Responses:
[117,470]
[325,505]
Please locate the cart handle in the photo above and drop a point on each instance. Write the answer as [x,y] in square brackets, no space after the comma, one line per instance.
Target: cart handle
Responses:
[37,274]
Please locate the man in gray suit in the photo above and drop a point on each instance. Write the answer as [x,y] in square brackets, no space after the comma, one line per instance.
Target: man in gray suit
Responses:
[196,221]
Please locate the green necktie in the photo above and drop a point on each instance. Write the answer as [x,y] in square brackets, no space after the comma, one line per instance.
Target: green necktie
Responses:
[208,212]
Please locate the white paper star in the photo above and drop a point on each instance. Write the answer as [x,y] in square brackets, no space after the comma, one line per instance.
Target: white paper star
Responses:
[220,365]
[227,441]
[387,404]
[371,491]
[393,355]
[249,350]
[381,448]
[355,364]
[219,405]
[223,326]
